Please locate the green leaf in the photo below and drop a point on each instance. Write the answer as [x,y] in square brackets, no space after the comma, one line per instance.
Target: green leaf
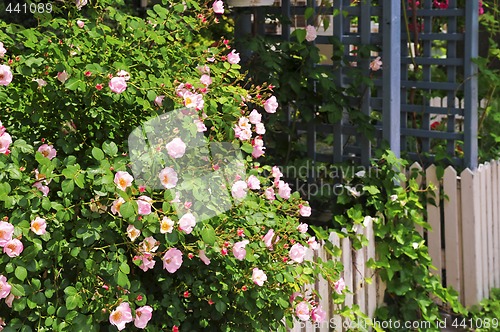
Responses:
[110,149]
[127,210]
[308,13]
[208,235]
[72,84]
[21,273]
[70,290]
[220,306]
[17,290]
[97,153]
[122,280]
[300,34]
[67,186]
[73,301]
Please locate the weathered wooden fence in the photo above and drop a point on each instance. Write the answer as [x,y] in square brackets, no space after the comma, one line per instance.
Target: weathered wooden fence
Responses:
[360,292]
[464,243]
[464,240]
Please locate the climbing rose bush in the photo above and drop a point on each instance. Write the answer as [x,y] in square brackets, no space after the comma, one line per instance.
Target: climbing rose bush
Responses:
[87,243]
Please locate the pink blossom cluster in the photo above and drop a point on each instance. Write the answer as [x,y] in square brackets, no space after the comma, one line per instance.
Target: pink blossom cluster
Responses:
[5,140]
[307,309]
[192,98]
[12,247]
[41,182]
[122,315]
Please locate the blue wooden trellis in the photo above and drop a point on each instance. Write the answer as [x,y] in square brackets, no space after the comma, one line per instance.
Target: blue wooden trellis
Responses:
[403,101]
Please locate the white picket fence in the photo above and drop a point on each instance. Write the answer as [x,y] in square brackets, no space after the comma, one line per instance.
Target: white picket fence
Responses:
[365,294]
[467,257]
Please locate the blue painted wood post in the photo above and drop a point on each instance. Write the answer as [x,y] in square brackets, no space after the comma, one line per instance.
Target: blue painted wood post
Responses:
[470,84]
[392,74]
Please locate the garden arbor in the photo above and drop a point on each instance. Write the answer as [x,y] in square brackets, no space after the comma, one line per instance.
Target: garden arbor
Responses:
[424,100]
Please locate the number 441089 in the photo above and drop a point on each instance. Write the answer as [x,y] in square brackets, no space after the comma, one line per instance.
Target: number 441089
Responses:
[33,8]
[476,323]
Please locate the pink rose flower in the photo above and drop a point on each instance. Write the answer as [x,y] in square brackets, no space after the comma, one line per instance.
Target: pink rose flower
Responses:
[4,287]
[302,228]
[176,148]
[258,151]
[260,128]
[206,80]
[115,207]
[13,248]
[5,75]
[5,142]
[258,276]
[142,316]
[200,126]
[271,105]
[147,261]
[62,76]
[193,100]
[123,180]
[310,33]
[313,244]
[159,100]
[40,82]
[204,257]
[9,300]
[187,223]
[168,177]
[253,182]
[47,151]
[144,204]
[276,173]
[339,285]
[38,226]
[268,239]
[80,4]
[166,225]
[269,193]
[305,211]
[124,74]
[117,84]
[172,260]
[233,57]
[302,311]
[80,24]
[40,186]
[149,245]
[376,64]
[255,117]
[133,233]
[297,253]
[239,189]
[6,232]
[121,316]
[239,251]
[318,314]
[284,190]
[218,7]
[2,50]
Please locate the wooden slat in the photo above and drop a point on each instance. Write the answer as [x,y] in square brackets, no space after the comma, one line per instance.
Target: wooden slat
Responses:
[359,276]
[489,221]
[324,291]
[496,219]
[419,180]
[348,270]
[371,289]
[452,234]
[494,216]
[484,228]
[434,215]
[471,238]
